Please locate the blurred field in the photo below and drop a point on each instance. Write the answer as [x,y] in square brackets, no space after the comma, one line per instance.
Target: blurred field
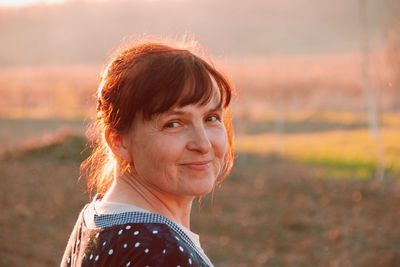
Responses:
[302,192]
[354,150]
[270,212]
[278,86]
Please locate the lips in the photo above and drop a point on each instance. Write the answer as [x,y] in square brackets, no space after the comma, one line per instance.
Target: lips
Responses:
[198,165]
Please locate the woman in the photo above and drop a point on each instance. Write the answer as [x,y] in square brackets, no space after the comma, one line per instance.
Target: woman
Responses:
[164,139]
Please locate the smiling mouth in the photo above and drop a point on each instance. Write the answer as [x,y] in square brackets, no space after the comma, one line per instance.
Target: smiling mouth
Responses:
[198,165]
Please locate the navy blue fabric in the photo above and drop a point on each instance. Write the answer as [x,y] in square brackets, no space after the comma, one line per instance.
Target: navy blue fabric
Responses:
[131,239]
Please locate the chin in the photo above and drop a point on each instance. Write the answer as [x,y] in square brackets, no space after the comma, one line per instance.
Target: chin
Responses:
[202,193]
[199,184]
[204,188]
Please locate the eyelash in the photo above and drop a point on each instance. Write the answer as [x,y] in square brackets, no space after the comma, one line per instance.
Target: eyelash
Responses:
[169,124]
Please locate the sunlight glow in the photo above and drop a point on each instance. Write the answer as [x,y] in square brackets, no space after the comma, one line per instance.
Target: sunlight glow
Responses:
[21,3]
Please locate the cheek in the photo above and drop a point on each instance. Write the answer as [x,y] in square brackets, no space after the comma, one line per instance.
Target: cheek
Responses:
[220,142]
[159,153]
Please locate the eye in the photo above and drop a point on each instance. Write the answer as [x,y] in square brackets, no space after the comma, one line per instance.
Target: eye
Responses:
[172,125]
[213,118]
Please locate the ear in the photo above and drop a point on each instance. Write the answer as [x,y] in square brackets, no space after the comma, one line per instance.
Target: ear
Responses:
[118,144]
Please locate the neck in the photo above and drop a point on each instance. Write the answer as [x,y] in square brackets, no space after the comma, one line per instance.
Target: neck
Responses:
[128,189]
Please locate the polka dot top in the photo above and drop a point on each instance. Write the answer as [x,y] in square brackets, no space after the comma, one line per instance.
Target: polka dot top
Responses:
[106,207]
[134,238]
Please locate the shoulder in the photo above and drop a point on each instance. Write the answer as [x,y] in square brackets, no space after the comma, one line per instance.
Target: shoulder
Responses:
[133,244]
[152,244]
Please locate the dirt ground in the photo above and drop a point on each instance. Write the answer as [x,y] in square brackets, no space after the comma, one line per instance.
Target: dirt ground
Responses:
[269,212]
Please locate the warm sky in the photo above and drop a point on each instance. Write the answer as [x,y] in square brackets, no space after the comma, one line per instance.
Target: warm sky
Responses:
[27,2]
[19,3]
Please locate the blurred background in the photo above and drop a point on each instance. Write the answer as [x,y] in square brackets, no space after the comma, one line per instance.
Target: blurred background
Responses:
[316,115]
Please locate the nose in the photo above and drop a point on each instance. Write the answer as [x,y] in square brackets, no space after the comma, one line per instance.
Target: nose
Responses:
[199,140]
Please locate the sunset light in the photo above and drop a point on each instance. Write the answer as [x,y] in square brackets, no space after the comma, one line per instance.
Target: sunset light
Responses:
[309,89]
[28,2]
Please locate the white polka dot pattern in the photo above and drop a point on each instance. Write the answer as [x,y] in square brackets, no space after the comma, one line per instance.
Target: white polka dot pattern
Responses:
[111,244]
[107,220]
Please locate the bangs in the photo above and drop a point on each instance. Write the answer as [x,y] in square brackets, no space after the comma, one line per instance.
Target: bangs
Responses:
[178,80]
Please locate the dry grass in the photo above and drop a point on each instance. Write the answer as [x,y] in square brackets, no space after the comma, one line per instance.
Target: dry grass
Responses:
[48,91]
[350,148]
[274,213]
[40,199]
[270,212]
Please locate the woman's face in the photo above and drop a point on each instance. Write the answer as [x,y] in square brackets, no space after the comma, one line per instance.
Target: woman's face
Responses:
[180,152]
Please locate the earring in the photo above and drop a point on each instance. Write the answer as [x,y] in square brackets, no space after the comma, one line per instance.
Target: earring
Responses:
[127,167]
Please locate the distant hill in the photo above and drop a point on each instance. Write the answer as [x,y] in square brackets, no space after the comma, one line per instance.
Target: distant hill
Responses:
[86,31]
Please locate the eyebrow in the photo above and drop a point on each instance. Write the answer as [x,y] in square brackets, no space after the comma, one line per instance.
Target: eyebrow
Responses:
[180,112]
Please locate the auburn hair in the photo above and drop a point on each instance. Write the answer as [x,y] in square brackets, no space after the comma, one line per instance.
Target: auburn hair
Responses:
[150,78]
